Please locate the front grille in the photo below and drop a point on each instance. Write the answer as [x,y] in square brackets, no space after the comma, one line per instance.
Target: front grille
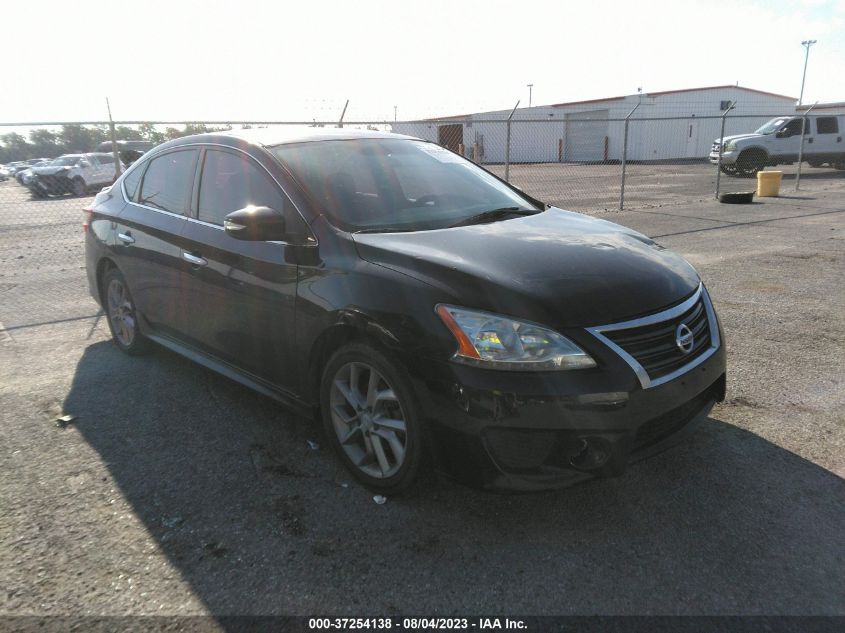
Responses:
[53,183]
[655,347]
[715,148]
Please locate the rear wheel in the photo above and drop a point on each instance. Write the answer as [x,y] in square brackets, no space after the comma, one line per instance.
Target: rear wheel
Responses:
[78,187]
[121,313]
[815,163]
[371,418]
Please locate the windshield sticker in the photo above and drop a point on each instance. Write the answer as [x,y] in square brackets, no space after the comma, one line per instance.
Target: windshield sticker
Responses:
[441,154]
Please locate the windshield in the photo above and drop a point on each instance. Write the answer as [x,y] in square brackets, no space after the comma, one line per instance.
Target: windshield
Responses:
[61,161]
[772,126]
[395,184]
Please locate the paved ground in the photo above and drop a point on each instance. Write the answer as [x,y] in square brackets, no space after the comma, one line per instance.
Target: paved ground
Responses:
[176,491]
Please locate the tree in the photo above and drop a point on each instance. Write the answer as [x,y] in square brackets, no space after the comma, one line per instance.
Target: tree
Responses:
[77,138]
[14,147]
[150,133]
[126,133]
[44,143]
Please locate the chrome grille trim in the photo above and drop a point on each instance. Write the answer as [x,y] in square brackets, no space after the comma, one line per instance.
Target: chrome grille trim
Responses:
[667,315]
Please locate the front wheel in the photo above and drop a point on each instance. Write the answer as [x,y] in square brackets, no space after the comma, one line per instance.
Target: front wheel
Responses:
[78,187]
[122,316]
[750,162]
[371,418]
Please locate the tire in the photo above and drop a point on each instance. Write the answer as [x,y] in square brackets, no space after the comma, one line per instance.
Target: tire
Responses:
[373,422]
[750,162]
[814,163]
[121,315]
[729,170]
[78,187]
[37,193]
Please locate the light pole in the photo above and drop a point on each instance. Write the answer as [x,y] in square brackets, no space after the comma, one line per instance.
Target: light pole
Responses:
[806,44]
[530,90]
[394,113]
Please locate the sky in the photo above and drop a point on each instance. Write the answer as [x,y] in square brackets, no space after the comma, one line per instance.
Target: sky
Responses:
[251,60]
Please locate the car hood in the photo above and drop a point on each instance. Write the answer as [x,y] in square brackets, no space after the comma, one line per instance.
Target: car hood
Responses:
[557,267]
[48,170]
[738,137]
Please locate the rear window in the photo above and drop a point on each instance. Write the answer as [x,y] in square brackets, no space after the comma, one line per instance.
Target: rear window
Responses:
[827,125]
[168,180]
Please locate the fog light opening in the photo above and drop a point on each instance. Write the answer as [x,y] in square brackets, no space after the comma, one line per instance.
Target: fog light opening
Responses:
[593,453]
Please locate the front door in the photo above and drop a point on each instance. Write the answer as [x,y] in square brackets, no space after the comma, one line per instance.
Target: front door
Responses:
[241,294]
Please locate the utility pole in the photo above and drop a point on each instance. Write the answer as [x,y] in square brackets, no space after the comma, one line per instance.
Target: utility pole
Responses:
[394,113]
[806,44]
[530,90]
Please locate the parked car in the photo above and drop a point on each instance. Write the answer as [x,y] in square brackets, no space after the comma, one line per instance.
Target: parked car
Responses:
[416,303]
[24,176]
[4,173]
[128,151]
[779,142]
[72,173]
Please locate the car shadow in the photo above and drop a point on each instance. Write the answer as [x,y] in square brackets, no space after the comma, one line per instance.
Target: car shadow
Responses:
[247,503]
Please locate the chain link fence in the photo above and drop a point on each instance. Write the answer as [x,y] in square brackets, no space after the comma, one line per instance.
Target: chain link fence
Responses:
[583,163]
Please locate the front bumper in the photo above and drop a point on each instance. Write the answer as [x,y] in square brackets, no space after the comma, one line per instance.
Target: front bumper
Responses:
[51,185]
[534,432]
[728,158]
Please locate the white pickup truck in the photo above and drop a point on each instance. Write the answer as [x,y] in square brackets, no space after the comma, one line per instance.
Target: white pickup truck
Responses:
[779,141]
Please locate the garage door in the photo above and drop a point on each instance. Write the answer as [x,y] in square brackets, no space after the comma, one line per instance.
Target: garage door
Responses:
[585,134]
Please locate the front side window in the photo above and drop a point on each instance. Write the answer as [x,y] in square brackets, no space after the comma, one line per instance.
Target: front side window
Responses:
[231,182]
[168,180]
[793,128]
[827,125]
[395,184]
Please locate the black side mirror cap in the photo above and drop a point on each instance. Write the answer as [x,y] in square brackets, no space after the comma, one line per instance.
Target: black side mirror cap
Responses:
[256,224]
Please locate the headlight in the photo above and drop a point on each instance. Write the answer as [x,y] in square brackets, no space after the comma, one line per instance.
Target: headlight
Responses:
[497,342]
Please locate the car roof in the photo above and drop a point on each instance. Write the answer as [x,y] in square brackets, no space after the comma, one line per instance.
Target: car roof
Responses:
[271,137]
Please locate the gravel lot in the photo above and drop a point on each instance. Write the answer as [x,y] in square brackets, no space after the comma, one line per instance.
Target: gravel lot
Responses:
[176,491]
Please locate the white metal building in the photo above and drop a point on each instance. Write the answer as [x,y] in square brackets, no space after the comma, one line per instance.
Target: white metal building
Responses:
[680,124]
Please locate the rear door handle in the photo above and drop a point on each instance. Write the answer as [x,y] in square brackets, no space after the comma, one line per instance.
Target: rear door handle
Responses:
[126,238]
[194,259]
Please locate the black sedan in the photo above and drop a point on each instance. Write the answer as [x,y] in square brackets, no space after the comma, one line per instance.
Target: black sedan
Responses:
[422,308]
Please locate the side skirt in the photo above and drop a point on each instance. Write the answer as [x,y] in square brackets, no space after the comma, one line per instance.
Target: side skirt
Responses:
[255,383]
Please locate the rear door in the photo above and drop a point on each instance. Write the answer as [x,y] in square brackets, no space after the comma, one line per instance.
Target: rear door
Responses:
[148,244]
[242,294]
[828,139]
[105,169]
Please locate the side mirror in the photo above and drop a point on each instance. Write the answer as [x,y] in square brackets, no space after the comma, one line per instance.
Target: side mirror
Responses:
[782,134]
[83,163]
[255,224]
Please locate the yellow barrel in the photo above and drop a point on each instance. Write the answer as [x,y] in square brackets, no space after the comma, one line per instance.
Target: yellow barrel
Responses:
[768,183]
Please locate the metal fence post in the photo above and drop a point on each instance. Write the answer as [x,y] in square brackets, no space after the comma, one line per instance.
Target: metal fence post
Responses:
[801,147]
[343,114]
[508,145]
[625,157]
[731,105]
[114,149]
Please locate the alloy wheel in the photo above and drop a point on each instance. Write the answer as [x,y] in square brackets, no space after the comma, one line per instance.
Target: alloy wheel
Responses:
[121,312]
[368,419]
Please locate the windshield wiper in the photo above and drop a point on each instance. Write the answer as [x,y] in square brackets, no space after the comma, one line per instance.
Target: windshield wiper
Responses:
[493,214]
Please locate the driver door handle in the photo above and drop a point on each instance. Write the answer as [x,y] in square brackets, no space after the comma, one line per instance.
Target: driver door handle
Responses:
[126,238]
[194,259]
